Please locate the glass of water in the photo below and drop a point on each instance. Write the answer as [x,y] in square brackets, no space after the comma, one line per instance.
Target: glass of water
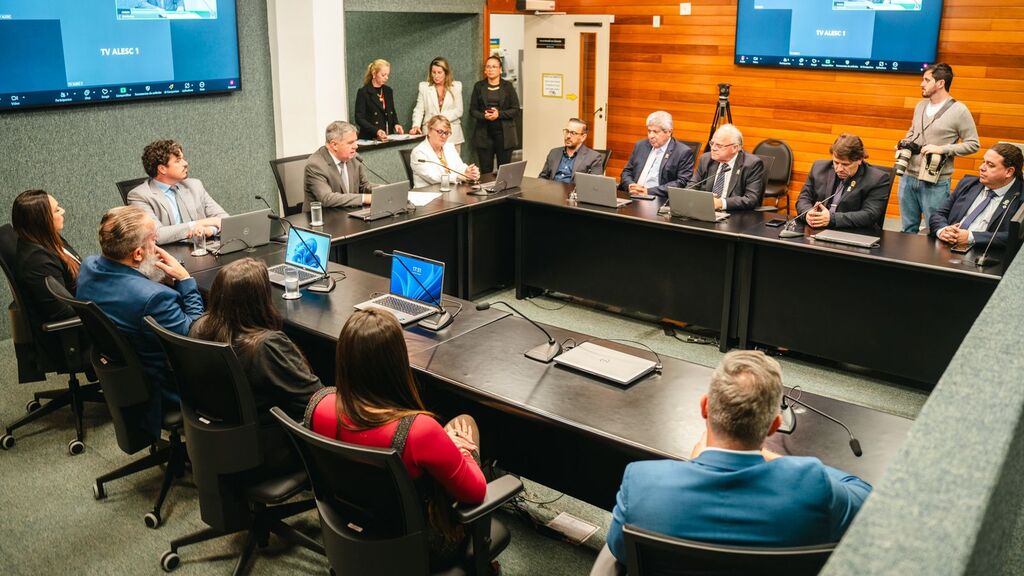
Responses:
[446,182]
[199,241]
[291,284]
[316,214]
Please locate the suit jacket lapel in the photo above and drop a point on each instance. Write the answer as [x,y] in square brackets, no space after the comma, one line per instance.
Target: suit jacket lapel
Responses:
[670,149]
[162,199]
[736,174]
[972,193]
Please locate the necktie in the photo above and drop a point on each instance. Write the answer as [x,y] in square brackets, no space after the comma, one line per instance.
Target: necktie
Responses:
[719,187]
[966,223]
[172,199]
[343,168]
[837,198]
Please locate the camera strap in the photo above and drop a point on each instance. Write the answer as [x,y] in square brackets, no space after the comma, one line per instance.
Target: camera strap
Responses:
[937,115]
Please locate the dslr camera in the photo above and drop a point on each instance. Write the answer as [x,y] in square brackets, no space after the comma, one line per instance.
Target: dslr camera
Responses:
[904,150]
[931,164]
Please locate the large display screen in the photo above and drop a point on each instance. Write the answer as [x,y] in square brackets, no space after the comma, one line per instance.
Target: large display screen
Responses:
[61,52]
[868,35]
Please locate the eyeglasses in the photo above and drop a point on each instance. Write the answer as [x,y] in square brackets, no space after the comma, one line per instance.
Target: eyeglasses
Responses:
[717,146]
[442,133]
[566,132]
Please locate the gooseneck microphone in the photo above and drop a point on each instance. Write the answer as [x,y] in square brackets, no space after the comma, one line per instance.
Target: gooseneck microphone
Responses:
[428,161]
[789,417]
[984,260]
[444,318]
[665,208]
[788,229]
[274,237]
[360,159]
[545,352]
[325,283]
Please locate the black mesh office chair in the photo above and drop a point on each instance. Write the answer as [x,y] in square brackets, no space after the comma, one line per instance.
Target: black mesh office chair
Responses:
[35,360]
[371,514]
[606,155]
[778,177]
[126,186]
[290,175]
[406,156]
[885,207]
[652,554]
[222,430]
[127,392]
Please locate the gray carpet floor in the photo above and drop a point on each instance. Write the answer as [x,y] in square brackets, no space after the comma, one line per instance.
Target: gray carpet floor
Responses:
[50,523]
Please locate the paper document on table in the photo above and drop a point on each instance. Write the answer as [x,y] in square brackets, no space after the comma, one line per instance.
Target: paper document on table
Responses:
[423,198]
[400,137]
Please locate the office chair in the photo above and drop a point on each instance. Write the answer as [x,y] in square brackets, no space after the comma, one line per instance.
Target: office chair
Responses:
[652,554]
[223,432]
[126,186]
[768,161]
[695,148]
[606,155]
[406,156]
[372,517]
[778,177]
[127,392]
[888,194]
[35,360]
[290,175]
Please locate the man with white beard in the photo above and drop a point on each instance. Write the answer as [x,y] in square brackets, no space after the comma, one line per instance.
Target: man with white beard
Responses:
[127,283]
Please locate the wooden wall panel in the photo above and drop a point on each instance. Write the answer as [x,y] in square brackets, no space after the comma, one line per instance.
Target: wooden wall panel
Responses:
[677,67]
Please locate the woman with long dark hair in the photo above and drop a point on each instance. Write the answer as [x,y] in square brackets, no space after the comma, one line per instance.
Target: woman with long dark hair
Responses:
[495,105]
[42,252]
[376,403]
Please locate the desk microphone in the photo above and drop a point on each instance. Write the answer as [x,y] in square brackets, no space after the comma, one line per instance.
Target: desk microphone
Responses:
[787,229]
[360,159]
[325,283]
[665,207]
[468,179]
[789,421]
[274,237]
[545,352]
[984,260]
[444,318]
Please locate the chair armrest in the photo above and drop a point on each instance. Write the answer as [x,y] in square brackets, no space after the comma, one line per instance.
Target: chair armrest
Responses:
[58,325]
[499,492]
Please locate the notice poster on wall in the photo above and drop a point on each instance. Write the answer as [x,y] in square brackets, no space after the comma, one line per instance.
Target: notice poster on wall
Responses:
[551,85]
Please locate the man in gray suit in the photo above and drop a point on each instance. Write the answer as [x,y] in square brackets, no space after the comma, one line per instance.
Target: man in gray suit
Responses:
[179,204]
[563,163]
[332,178]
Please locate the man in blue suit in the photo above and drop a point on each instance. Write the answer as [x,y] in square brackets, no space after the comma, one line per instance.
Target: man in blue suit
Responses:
[974,213]
[127,283]
[658,162]
[734,491]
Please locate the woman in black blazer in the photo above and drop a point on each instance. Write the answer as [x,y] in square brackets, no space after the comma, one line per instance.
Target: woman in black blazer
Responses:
[38,219]
[375,104]
[495,106]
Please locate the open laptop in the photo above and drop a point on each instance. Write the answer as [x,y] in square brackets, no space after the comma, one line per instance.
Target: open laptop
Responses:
[613,365]
[303,256]
[416,284]
[694,204]
[509,176]
[598,189]
[242,231]
[388,200]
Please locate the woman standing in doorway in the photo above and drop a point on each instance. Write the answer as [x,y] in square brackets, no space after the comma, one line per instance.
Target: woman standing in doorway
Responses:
[495,106]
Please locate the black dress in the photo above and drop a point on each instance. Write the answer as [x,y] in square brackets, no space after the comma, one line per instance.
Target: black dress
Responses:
[494,137]
[375,110]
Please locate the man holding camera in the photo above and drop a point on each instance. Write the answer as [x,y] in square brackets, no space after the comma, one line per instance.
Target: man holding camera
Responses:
[939,123]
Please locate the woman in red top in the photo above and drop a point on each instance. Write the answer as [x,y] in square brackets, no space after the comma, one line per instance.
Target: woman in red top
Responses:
[375,392]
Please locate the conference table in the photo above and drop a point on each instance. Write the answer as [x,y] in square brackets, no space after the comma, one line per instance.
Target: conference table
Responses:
[566,429]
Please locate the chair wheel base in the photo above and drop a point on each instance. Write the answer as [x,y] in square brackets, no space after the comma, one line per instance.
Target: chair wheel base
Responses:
[152,520]
[76,447]
[98,492]
[32,405]
[169,561]
[6,441]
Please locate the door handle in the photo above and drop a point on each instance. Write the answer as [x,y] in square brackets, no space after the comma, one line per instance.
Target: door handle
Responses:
[599,112]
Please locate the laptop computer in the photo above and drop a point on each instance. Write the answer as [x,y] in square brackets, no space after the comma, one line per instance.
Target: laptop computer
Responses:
[613,365]
[509,176]
[242,231]
[848,238]
[416,284]
[598,189]
[694,204]
[388,200]
[303,256]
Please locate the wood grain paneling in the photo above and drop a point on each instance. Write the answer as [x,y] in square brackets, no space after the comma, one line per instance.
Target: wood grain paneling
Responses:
[677,68]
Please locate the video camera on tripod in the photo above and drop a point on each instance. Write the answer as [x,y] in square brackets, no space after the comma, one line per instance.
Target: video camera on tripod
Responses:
[931,164]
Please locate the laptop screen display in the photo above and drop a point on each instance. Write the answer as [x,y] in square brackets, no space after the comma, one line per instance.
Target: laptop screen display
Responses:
[429,273]
[299,255]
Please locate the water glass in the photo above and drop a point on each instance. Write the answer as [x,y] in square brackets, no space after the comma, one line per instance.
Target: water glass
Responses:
[446,182]
[316,214]
[291,284]
[199,241]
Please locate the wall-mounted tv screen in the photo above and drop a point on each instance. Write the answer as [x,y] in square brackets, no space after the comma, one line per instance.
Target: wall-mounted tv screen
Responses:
[62,52]
[867,35]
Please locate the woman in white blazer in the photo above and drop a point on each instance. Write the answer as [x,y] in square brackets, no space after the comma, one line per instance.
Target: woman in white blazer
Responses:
[440,94]
[437,151]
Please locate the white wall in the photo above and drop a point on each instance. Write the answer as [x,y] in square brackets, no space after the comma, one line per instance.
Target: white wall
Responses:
[508,29]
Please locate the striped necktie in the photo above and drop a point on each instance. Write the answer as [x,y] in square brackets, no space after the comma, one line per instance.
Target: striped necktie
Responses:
[966,223]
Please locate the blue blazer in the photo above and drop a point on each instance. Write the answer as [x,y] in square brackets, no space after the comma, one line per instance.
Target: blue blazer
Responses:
[739,499]
[676,166]
[954,209]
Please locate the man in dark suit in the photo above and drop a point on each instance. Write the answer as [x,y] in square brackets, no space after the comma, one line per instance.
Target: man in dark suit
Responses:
[127,283]
[563,163]
[846,192]
[332,177]
[659,161]
[974,213]
[733,176]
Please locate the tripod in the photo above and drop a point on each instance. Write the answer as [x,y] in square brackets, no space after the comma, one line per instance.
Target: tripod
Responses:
[723,111]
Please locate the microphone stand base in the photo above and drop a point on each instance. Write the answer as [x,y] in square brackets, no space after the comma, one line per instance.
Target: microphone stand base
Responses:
[986,261]
[322,286]
[545,353]
[437,322]
[787,233]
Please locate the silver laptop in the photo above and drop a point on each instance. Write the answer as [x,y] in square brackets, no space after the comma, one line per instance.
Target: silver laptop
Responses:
[305,253]
[694,204]
[840,237]
[388,200]
[613,365]
[509,176]
[416,285]
[598,189]
[242,231]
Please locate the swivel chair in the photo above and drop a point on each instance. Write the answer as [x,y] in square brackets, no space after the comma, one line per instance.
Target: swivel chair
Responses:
[290,174]
[778,175]
[126,186]
[606,155]
[406,156]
